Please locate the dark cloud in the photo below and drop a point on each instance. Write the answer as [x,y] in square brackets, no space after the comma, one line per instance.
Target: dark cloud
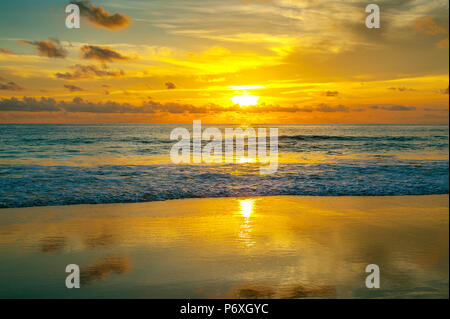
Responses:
[6,51]
[328,109]
[10,86]
[103,54]
[170,85]
[51,48]
[445,91]
[401,89]
[99,17]
[324,108]
[393,107]
[436,109]
[78,104]
[331,93]
[107,86]
[72,88]
[29,104]
[88,71]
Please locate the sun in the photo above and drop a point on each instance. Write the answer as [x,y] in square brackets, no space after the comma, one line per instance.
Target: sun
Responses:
[245,99]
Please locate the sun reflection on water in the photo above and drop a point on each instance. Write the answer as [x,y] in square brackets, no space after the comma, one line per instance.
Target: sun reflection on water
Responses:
[246,227]
[246,206]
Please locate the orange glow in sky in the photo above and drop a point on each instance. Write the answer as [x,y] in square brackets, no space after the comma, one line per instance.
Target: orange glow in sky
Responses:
[230,66]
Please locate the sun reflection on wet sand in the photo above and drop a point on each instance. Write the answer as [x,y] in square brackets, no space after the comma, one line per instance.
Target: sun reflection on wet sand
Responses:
[271,247]
[246,207]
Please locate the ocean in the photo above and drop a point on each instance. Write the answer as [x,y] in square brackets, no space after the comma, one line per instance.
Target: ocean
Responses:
[50,164]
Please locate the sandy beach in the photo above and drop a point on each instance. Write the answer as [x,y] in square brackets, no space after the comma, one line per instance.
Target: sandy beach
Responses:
[258,247]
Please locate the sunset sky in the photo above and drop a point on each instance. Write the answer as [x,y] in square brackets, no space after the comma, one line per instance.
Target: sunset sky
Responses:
[173,61]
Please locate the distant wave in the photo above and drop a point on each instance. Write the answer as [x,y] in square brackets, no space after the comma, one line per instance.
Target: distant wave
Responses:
[23,186]
[356,138]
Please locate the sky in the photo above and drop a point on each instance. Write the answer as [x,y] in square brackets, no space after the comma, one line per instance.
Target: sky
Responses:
[175,61]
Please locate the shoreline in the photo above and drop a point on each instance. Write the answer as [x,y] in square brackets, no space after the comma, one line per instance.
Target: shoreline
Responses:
[225,197]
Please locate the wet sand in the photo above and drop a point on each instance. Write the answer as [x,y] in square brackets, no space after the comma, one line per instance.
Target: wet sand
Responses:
[262,247]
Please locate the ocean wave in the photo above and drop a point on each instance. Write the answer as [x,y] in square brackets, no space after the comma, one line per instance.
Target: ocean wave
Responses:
[35,185]
[357,138]
[383,164]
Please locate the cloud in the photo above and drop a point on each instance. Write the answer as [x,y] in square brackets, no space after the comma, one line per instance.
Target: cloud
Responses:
[444,91]
[79,105]
[443,44]
[72,88]
[107,86]
[51,48]
[97,16]
[10,86]
[88,71]
[170,85]
[102,54]
[331,93]
[266,108]
[6,51]
[327,109]
[427,25]
[29,104]
[401,89]
[393,107]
